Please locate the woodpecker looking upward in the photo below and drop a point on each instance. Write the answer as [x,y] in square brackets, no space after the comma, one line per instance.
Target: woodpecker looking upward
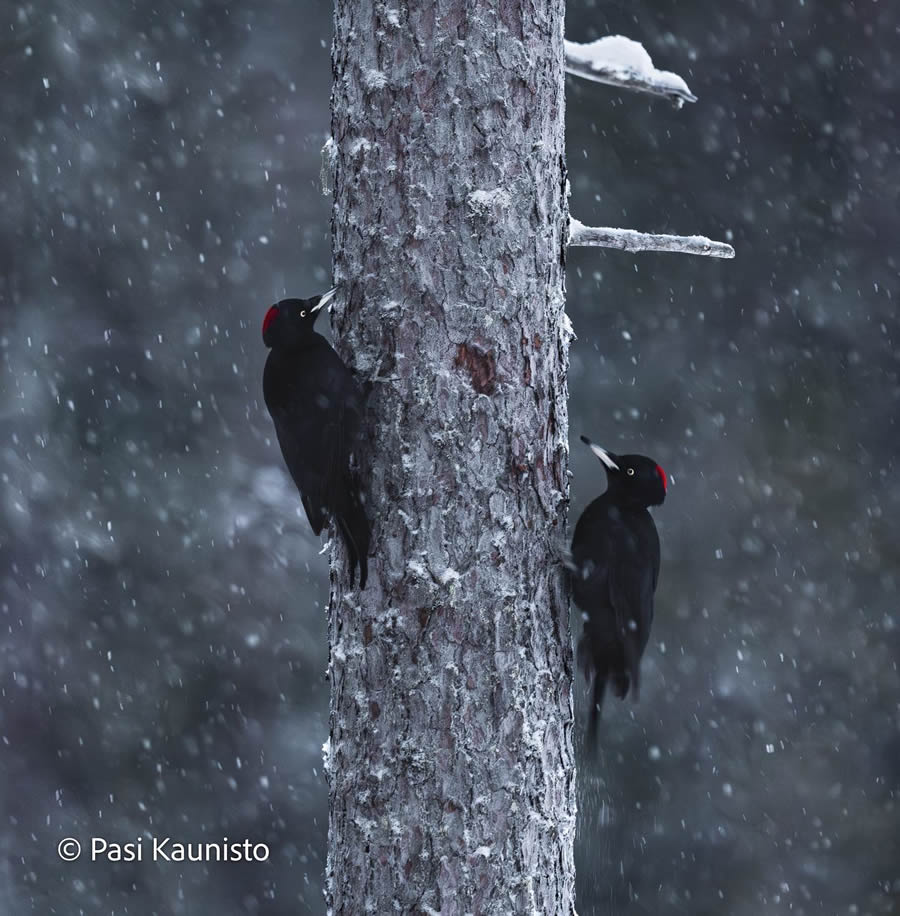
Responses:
[615,561]
[317,407]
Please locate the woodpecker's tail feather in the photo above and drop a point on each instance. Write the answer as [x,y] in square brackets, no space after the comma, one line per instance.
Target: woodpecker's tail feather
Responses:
[355,527]
[584,657]
[621,684]
[590,738]
[632,674]
[352,553]
[588,663]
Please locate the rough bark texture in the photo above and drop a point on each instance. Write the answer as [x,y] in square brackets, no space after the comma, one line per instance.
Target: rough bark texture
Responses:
[450,762]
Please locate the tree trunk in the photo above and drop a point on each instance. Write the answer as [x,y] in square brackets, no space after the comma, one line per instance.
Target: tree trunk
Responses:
[450,761]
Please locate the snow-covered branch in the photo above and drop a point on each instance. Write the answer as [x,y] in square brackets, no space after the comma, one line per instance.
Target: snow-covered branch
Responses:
[629,240]
[619,61]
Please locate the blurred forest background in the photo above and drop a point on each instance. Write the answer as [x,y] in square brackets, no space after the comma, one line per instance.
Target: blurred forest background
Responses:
[161,597]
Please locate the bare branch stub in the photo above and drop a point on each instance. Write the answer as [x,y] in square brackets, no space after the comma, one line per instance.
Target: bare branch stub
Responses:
[631,240]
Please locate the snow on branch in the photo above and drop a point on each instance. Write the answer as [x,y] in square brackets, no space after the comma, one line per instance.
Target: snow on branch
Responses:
[619,61]
[629,240]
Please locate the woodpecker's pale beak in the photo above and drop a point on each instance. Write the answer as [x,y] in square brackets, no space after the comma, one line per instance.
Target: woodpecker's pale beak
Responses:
[325,298]
[601,453]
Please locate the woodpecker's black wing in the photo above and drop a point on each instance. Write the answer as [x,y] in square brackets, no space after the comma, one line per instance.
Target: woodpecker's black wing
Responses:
[317,406]
[591,552]
[633,570]
[343,402]
[615,559]
[599,651]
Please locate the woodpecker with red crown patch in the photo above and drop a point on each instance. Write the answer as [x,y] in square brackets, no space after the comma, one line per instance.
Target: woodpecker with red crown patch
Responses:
[615,568]
[317,407]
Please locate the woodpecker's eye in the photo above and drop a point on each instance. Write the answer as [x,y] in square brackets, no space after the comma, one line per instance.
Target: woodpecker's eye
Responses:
[303,313]
[630,472]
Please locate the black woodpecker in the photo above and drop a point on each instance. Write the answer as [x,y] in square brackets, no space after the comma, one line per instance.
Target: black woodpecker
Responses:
[615,568]
[317,407]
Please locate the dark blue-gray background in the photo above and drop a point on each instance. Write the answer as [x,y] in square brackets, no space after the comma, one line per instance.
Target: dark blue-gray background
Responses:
[161,598]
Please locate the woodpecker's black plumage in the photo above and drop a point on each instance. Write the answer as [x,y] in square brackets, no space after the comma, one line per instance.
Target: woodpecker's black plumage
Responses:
[317,407]
[615,568]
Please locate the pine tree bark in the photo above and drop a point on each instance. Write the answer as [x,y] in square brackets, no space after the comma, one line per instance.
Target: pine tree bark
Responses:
[450,762]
